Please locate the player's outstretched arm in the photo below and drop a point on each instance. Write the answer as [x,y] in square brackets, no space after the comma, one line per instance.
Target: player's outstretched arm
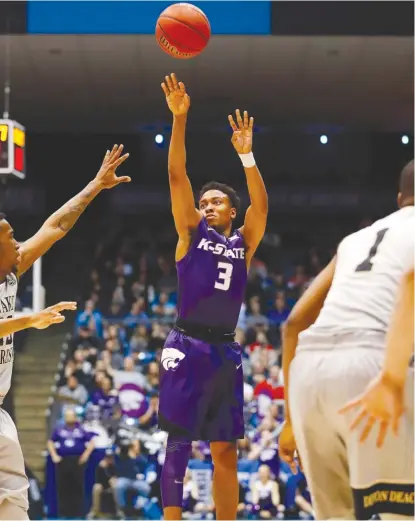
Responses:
[41,320]
[303,315]
[186,216]
[256,216]
[59,223]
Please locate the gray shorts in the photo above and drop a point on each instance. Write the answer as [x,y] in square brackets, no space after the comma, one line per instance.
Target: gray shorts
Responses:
[347,478]
[13,481]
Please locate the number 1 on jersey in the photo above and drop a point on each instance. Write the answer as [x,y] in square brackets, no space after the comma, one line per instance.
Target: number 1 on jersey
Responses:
[367,264]
[225,276]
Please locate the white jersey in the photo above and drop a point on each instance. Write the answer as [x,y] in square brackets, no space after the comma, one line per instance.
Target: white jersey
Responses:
[370,265]
[8,291]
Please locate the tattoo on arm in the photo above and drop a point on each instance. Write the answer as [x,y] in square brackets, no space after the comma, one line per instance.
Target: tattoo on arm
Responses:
[70,212]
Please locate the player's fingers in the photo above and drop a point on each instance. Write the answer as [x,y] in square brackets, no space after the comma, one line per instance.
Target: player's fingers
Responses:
[174,81]
[246,120]
[60,306]
[357,420]
[367,429]
[119,161]
[165,89]
[124,179]
[350,405]
[113,152]
[107,154]
[396,419]
[119,152]
[232,123]
[239,119]
[182,87]
[383,429]
[251,123]
[169,83]
[58,319]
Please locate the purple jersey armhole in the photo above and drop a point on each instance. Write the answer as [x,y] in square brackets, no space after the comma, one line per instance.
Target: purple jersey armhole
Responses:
[197,233]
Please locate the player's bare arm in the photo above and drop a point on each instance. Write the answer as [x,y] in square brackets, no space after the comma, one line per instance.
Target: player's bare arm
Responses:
[303,315]
[185,214]
[383,400]
[59,223]
[256,216]
[41,320]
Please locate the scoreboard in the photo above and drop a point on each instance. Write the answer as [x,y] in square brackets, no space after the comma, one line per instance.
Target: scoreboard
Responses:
[12,148]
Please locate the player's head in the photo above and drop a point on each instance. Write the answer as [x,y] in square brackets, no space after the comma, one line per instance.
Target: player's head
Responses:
[9,248]
[406,186]
[219,204]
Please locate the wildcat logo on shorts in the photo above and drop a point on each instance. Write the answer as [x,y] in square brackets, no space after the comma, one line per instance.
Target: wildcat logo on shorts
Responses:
[170,358]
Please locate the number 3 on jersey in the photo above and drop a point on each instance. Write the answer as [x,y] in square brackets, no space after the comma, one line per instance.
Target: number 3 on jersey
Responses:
[225,276]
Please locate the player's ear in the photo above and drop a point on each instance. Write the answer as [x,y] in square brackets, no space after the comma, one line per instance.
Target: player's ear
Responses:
[233,213]
[399,200]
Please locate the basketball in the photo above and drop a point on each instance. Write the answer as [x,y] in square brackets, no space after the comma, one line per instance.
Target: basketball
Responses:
[183,31]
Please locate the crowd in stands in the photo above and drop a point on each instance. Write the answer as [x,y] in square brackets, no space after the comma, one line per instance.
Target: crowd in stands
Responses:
[111,377]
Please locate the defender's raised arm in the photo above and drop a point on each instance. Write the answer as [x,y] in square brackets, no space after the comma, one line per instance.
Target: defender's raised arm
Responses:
[60,222]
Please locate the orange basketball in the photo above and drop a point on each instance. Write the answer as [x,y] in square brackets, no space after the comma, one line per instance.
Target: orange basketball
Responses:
[183,31]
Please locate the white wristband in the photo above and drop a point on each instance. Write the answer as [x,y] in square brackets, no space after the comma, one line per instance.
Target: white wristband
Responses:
[248,160]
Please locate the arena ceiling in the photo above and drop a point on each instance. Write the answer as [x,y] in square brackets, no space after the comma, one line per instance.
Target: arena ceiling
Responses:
[112,83]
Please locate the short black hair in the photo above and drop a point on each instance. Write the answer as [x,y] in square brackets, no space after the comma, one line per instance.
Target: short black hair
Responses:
[406,181]
[2,216]
[226,189]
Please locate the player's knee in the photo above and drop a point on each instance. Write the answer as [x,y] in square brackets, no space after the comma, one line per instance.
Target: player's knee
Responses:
[224,455]
[177,458]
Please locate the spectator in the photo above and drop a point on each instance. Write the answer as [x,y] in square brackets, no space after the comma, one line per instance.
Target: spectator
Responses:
[139,340]
[279,314]
[164,308]
[273,386]
[106,399]
[265,494]
[130,468]
[73,391]
[103,487]
[115,312]
[190,494]
[111,355]
[137,315]
[90,319]
[256,318]
[265,447]
[70,447]
[262,351]
[118,296]
[153,376]
[298,279]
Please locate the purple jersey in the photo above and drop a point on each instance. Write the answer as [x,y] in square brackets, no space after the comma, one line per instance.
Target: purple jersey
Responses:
[106,402]
[212,278]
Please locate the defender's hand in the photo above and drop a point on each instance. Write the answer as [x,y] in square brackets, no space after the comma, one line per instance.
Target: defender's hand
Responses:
[51,315]
[242,132]
[177,98]
[383,402]
[287,448]
[106,177]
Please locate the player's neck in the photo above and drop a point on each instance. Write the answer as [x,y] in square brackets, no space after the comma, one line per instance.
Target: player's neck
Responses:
[2,277]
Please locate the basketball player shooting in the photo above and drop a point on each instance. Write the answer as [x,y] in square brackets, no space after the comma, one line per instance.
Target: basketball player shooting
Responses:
[15,259]
[340,325]
[201,389]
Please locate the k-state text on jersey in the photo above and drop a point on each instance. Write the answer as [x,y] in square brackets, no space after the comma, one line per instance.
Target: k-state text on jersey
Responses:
[221,249]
